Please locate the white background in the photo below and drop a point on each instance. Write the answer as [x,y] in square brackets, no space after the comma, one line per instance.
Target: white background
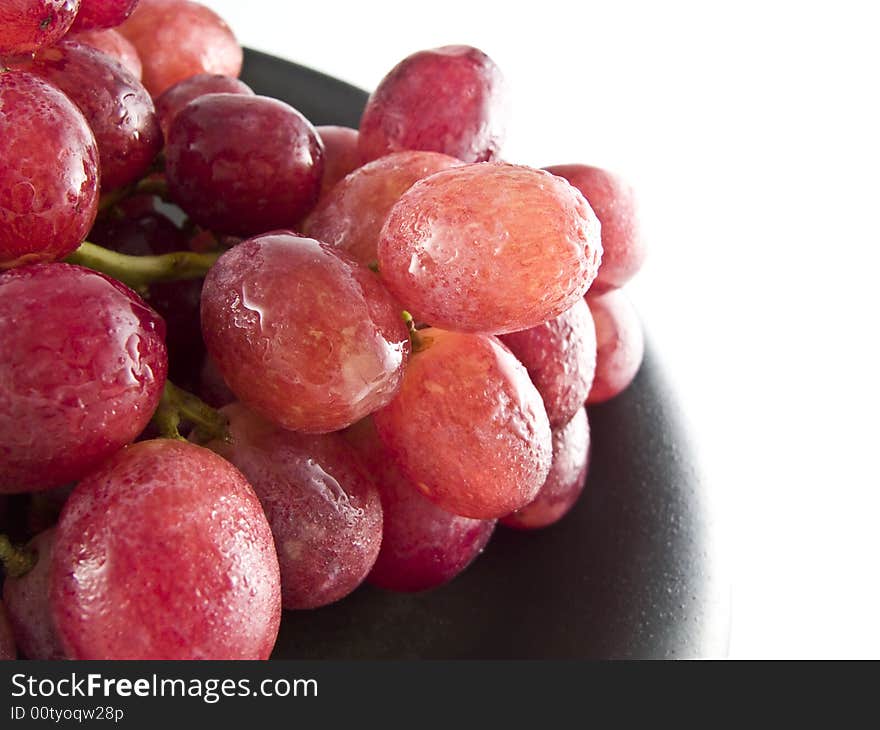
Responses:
[750,131]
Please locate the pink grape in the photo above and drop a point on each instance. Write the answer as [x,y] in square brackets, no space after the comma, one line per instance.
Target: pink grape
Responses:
[468,427]
[7,641]
[614,203]
[620,344]
[451,100]
[341,154]
[165,553]
[324,511]
[49,193]
[28,25]
[83,367]
[301,333]
[243,164]
[350,217]
[102,13]
[118,109]
[173,99]
[489,248]
[565,482]
[560,356]
[423,546]
[177,39]
[27,602]
[113,44]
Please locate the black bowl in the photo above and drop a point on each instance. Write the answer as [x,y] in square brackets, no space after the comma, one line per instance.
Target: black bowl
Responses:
[631,572]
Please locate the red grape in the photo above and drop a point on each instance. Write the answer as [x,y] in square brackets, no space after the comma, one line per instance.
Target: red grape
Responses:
[165,553]
[28,25]
[468,427]
[83,367]
[177,39]
[614,203]
[301,333]
[49,191]
[489,248]
[560,356]
[423,546]
[565,482]
[7,642]
[118,109]
[27,602]
[350,217]
[113,44]
[620,344]
[341,154]
[243,164]
[173,99]
[324,511]
[102,13]
[451,100]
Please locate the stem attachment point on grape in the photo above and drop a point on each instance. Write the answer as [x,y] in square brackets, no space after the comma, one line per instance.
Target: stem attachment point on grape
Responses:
[177,405]
[418,342]
[16,561]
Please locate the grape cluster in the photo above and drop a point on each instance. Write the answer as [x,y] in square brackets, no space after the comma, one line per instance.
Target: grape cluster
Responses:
[394,332]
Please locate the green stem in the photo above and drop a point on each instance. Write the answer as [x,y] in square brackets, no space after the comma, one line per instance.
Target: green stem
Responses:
[177,405]
[418,341]
[16,561]
[141,271]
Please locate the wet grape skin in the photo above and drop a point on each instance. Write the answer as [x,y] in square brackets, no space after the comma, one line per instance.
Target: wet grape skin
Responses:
[113,44]
[301,333]
[49,172]
[97,14]
[28,25]
[489,247]
[468,428]
[80,381]
[565,482]
[341,154]
[324,511]
[423,546]
[560,356]
[165,553]
[173,99]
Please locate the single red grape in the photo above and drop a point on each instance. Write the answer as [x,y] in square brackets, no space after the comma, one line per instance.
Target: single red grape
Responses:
[113,44]
[177,39]
[118,109]
[351,216]
[620,344]
[243,164]
[174,98]
[165,553]
[614,203]
[83,368]
[341,154]
[451,100]
[301,333]
[27,603]
[28,25]
[560,356]
[468,428]
[102,13]
[323,509]
[48,172]
[489,248]
[423,546]
[565,482]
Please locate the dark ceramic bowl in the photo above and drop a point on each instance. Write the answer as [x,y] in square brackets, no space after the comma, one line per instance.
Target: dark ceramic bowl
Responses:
[631,572]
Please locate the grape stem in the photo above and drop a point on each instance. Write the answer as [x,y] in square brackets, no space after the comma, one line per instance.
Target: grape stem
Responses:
[418,342]
[177,405]
[16,561]
[141,271]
